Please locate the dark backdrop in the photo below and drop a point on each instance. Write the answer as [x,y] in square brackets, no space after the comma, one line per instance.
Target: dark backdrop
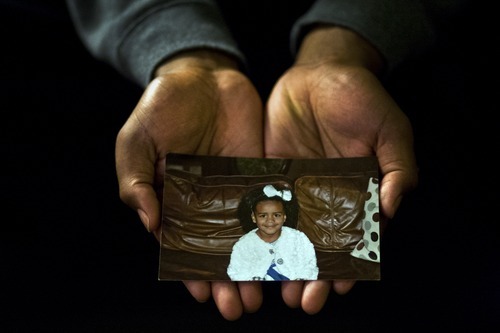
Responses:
[74,258]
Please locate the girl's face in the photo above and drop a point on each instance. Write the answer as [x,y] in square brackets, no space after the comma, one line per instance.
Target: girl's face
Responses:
[269,216]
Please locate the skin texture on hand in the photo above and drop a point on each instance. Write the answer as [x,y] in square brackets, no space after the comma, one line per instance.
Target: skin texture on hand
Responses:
[199,103]
[331,104]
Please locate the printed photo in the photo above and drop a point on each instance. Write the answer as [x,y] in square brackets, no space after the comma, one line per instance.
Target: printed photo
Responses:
[261,219]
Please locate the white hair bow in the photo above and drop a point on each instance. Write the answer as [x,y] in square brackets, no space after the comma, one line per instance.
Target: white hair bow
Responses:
[270,191]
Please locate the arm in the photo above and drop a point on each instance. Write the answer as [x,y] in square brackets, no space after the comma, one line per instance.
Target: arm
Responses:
[333,97]
[196,100]
[397,29]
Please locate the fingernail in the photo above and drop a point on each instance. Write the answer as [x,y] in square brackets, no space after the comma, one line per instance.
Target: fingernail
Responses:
[144,218]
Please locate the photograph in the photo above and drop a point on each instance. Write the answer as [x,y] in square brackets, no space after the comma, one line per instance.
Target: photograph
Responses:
[248,219]
[163,162]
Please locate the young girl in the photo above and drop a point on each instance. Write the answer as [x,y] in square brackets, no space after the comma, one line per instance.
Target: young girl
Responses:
[272,249]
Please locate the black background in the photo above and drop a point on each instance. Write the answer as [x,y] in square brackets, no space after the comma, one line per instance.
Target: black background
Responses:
[74,258]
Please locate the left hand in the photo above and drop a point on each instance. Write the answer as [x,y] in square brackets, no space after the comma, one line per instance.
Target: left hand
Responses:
[331,104]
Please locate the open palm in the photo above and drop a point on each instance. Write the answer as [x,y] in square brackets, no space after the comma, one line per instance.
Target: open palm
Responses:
[329,110]
[191,110]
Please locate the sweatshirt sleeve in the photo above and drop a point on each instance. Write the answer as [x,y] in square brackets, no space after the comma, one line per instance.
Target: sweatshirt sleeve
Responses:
[136,36]
[397,28]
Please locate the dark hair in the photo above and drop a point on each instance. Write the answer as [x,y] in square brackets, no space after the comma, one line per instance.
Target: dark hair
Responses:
[253,197]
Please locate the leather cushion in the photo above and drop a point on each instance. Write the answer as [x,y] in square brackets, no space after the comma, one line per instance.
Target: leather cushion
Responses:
[331,210]
[200,213]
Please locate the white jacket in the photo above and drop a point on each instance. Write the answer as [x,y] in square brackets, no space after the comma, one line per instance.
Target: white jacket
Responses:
[293,254]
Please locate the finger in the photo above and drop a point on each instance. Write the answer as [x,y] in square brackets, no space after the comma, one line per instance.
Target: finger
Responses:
[397,164]
[291,292]
[342,287]
[391,194]
[251,296]
[200,290]
[315,295]
[135,166]
[227,299]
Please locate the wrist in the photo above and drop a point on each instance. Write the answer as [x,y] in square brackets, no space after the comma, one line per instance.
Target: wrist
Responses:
[331,43]
[204,59]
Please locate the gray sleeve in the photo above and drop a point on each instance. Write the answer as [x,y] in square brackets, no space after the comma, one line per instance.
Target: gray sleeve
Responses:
[136,36]
[397,28]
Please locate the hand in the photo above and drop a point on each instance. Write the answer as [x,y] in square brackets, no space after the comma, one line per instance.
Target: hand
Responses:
[198,103]
[331,104]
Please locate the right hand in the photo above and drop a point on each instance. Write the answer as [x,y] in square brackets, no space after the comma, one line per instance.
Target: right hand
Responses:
[198,103]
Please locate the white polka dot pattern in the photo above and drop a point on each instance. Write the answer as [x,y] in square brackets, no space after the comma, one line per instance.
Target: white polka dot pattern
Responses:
[368,247]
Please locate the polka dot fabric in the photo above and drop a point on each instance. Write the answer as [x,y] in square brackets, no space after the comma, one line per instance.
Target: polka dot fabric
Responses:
[368,248]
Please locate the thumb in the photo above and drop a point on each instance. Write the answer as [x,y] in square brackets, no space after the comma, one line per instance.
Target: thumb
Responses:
[399,172]
[143,199]
[394,185]
[135,167]
[397,163]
